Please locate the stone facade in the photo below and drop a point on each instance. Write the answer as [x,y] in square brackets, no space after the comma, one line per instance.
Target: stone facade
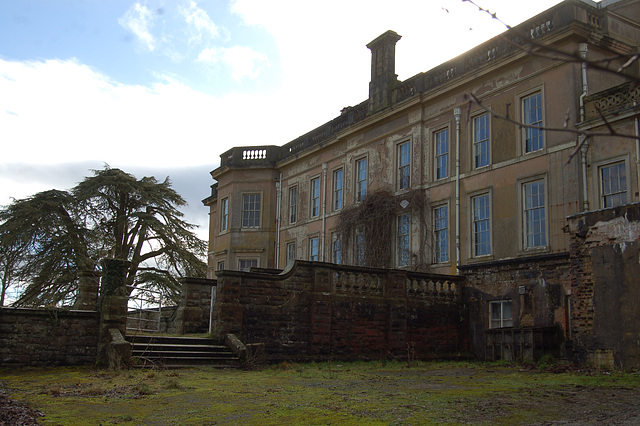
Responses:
[36,337]
[319,310]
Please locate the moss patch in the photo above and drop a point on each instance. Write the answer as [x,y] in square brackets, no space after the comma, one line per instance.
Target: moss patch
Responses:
[326,393]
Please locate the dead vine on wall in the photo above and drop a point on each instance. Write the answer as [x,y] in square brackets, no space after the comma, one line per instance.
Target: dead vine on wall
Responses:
[375,219]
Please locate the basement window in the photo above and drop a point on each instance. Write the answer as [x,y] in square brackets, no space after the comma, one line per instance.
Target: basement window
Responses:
[500,314]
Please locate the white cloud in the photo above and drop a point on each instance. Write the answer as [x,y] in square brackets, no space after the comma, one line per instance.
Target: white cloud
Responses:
[139,20]
[199,23]
[243,61]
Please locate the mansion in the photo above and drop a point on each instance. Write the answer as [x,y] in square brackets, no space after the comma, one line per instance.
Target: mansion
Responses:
[471,168]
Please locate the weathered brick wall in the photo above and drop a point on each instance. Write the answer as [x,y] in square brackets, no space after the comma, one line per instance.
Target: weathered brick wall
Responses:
[538,288]
[605,321]
[319,310]
[48,337]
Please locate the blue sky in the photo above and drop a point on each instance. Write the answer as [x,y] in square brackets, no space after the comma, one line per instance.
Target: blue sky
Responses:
[164,87]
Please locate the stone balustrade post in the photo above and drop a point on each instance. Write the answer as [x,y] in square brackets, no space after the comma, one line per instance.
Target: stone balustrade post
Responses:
[114,298]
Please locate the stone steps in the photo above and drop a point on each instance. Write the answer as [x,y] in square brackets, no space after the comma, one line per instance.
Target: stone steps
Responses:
[180,352]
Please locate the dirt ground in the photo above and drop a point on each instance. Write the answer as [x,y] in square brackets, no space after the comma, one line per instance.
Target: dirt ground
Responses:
[322,393]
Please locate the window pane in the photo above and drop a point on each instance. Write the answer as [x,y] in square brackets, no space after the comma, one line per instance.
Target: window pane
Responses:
[361,179]
[293,204]
[441,233]
[481,141]
[251,210]
[532,115]
[442,154]
[315,197]
[337,189]
[534,214]
[481,225]
[613,183]
[404,230]
[404,160]
[313,249]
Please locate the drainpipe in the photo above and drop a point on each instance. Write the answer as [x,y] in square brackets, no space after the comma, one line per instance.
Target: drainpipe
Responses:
[457,112]
[278,210]
[324,207]
[635,103]
[582,50]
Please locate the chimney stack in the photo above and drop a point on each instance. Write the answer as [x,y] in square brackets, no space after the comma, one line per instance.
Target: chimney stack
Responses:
[383,70]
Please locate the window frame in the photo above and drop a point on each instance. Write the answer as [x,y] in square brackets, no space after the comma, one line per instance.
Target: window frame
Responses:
[602,196]
[258,212]
[475,221]
[293,205]
[314,197]
[290,250]
[403,240]
[336,249]
[220,265]
[481,141]
[440,157]
[338,192]
[248,259]
[313,253]
[438,255]
[359,248]
[403,162]
[525,223]
[503,321]
[224,214]
[360,181]
[539,122]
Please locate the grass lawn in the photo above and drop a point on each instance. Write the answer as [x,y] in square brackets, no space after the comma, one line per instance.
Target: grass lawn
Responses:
[327,393]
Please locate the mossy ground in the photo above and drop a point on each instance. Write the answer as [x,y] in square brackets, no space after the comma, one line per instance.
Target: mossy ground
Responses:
[326,393]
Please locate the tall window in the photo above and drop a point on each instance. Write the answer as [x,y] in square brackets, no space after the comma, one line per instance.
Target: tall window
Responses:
[224,214]
[338,182]
[481,225]
[500,314]
[404,162]
[251,210]
[291,252]
[336,249]
[403,244]
[442,154]
[481,141]
[313,249]
[441,233]
[247,264]
[361,179]
[315,197]
[293,204]
[613,185]
[360,248]
[534,214]
[532,116]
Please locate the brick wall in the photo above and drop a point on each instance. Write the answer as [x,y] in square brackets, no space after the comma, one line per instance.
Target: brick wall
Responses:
[605,321]
[48,337]
[537,286]
[320,310]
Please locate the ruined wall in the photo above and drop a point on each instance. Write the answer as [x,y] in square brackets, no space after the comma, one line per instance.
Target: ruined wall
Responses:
[538,289]
[605,253]
[48,337]
[320,310]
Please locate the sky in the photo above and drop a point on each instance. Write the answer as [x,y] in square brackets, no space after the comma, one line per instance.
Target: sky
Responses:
[163,87]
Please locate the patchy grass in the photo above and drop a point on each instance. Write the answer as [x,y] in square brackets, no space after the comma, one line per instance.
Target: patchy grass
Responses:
[327,393]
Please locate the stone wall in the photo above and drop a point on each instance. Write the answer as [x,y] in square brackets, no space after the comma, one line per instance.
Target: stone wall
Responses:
[320,310]
[538,288]
[36,337]
[605,320]
[193,313]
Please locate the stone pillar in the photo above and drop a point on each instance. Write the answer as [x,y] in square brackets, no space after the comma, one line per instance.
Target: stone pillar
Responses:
[193,314]
[113,303]
[88,283]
